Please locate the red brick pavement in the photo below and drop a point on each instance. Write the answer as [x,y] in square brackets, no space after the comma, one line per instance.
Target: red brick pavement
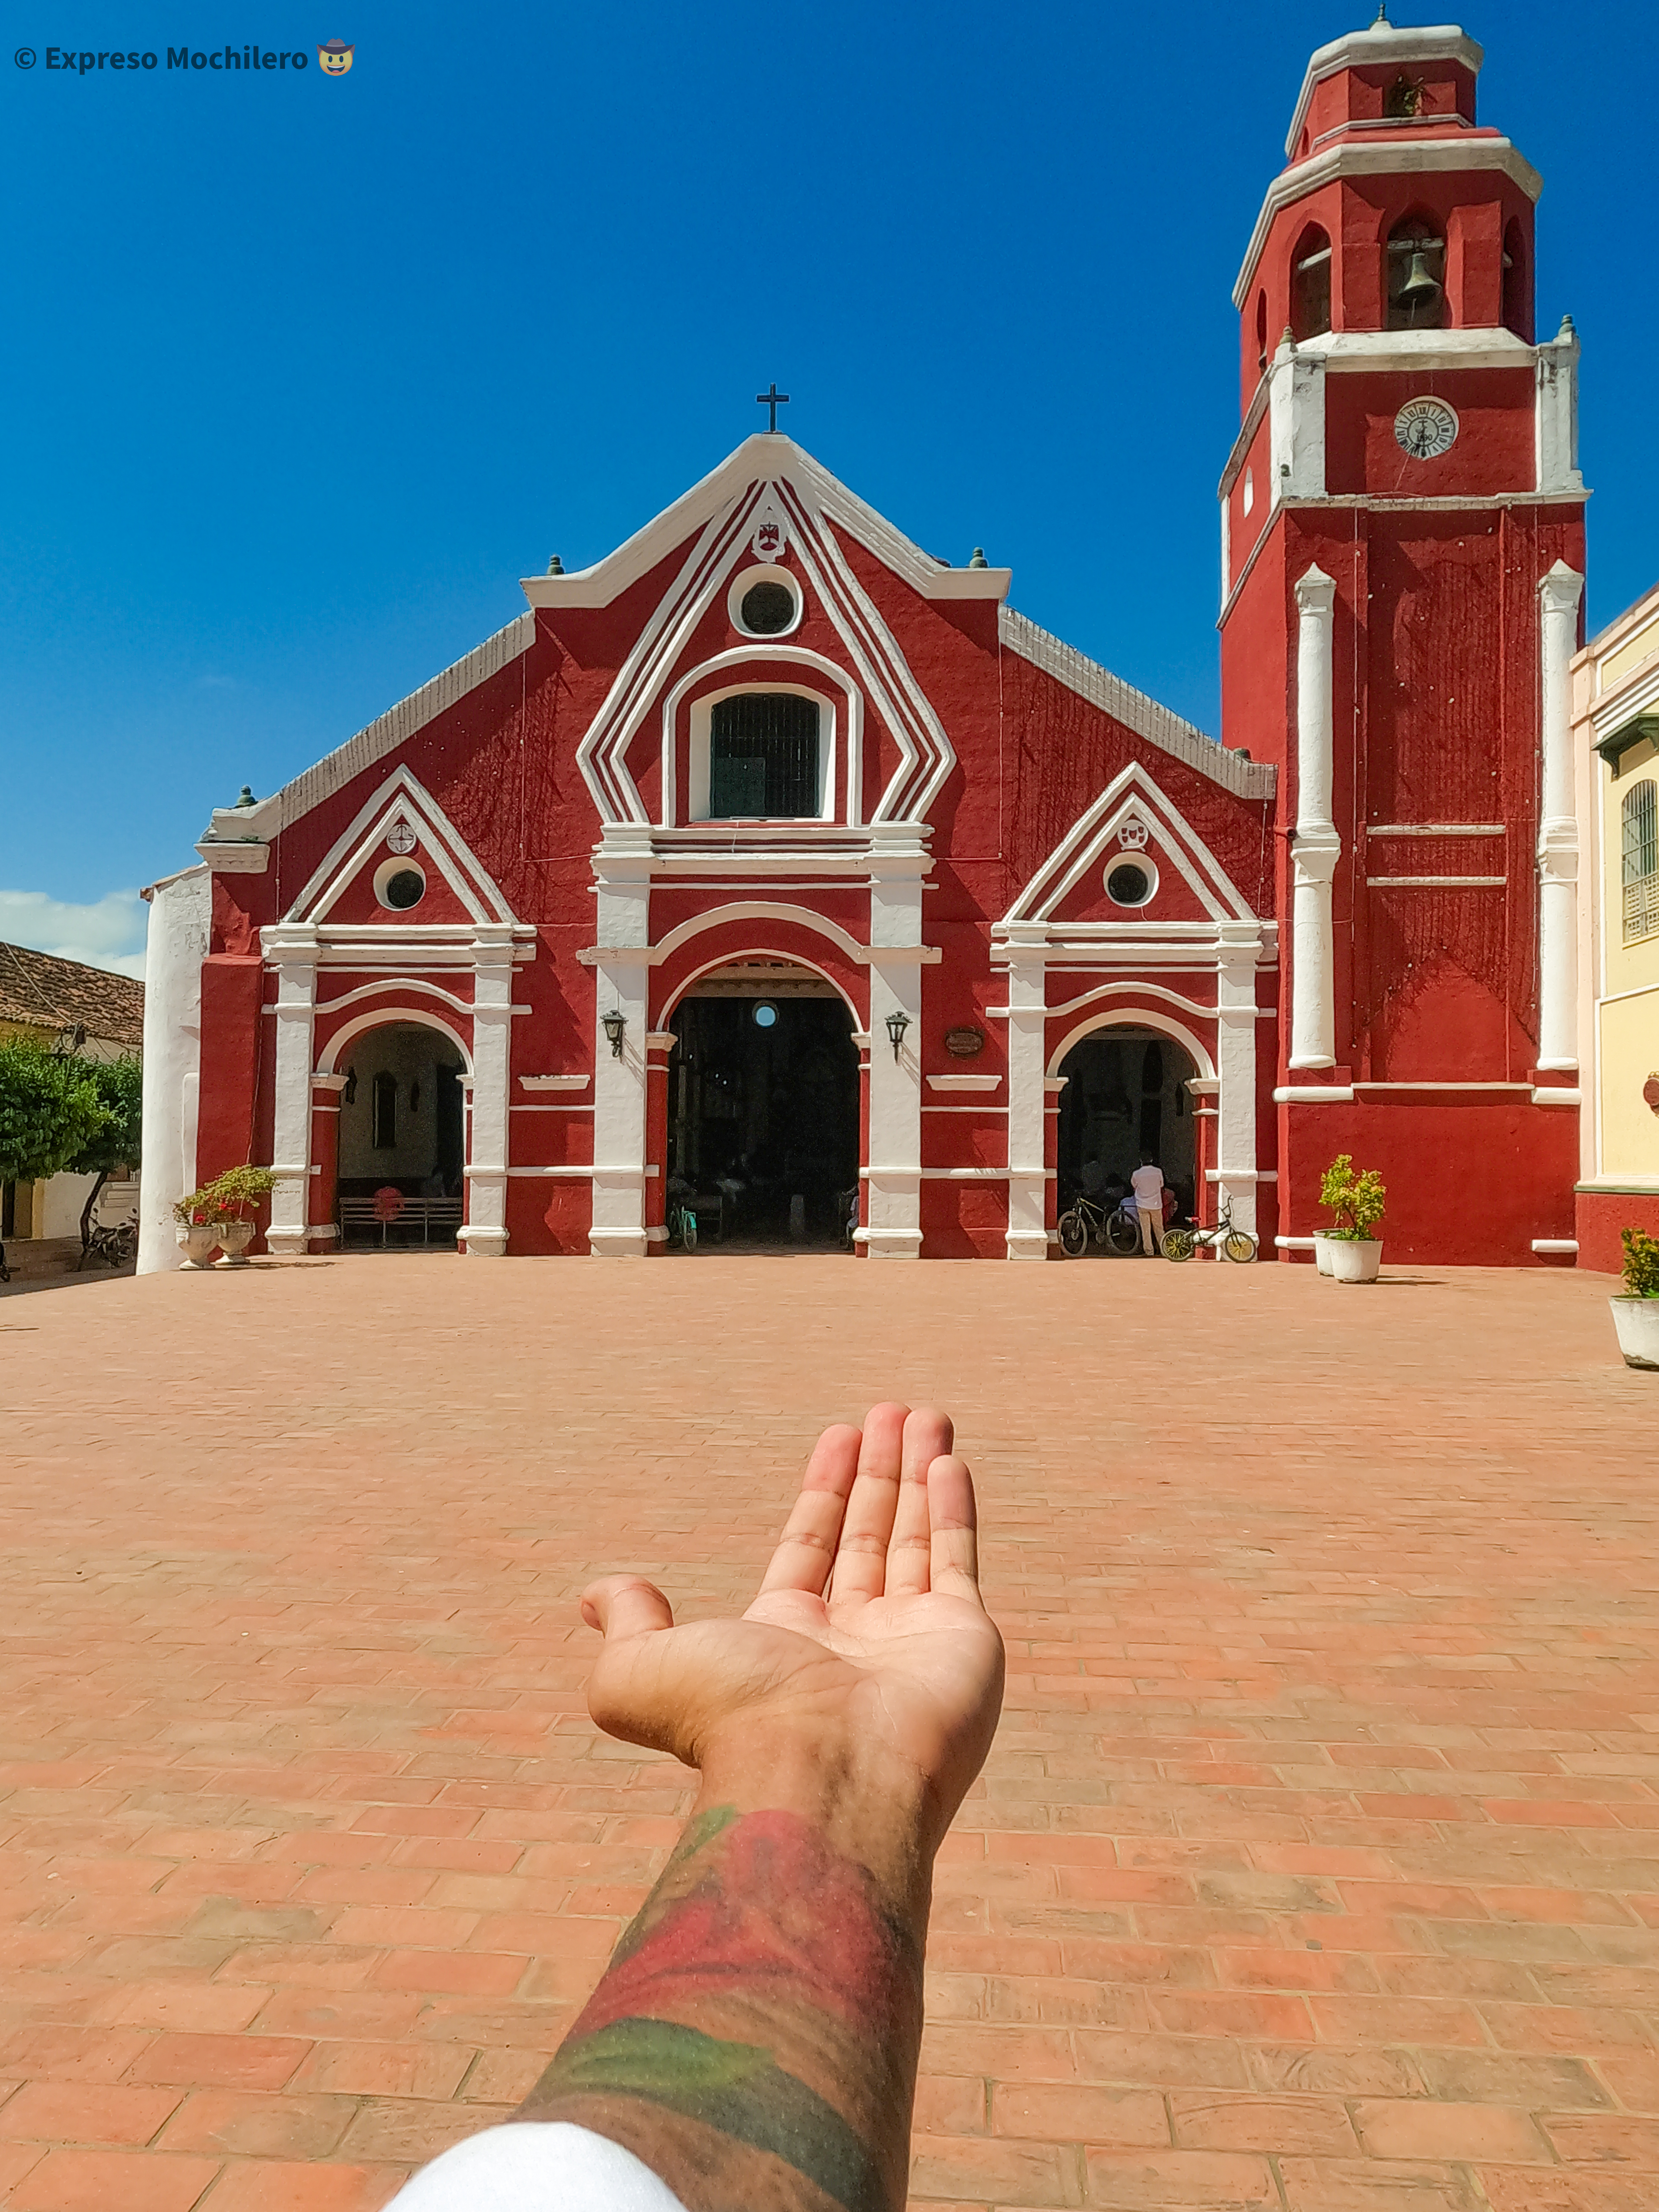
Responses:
[1316,1865]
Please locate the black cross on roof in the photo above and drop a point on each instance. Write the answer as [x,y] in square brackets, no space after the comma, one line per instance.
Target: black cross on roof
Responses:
[773,399]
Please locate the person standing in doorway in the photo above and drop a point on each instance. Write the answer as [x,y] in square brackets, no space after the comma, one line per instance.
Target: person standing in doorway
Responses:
[1147,1184]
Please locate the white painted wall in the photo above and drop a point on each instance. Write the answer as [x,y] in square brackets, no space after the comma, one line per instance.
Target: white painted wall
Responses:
[179,917]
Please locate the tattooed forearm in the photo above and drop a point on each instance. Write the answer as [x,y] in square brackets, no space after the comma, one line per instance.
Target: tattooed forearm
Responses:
[755,2037]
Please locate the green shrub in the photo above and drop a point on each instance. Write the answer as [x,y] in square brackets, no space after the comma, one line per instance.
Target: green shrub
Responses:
[225,1197]
[1356,1202]
[1641,1263]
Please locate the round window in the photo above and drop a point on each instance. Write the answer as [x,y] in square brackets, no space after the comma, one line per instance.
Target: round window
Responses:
[766,610]
[765,1015]
[1130,883]
[400,887]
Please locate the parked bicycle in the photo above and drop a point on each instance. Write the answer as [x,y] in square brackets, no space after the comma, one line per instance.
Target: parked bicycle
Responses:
[1237,1244]
[1118,1227]
[846,1212]
[116,1246]
[683,1227]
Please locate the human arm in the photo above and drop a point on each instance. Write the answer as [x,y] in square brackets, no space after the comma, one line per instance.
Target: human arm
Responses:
[754,2037]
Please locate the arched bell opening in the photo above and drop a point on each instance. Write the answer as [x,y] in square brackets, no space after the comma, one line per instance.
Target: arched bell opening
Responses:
[1125,1099]
[403,1137]
[763,1108]
[1309,284]
[1414,275]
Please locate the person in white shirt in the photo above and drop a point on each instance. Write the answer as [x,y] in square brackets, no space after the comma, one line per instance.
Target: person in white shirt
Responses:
[1147,1184]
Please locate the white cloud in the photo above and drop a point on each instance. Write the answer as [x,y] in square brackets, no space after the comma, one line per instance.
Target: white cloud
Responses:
[108,933]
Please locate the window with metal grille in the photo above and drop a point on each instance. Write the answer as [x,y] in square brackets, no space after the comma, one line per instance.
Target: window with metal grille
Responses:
[1639,820]
[763,755]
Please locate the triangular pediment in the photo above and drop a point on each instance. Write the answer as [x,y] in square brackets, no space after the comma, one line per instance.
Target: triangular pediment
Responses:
[795,511]
[1131,815]
[402,809]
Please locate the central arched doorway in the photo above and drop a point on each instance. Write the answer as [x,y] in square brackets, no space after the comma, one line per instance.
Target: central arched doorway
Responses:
[402,1130]
[763,1107]
[1126,1095]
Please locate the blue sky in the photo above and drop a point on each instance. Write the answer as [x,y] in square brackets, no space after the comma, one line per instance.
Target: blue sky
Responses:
[304,374]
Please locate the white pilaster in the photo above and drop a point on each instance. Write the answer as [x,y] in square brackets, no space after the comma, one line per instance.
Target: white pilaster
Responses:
[1555,419]
[1236,1170]
[1296,428]
[1558,594]
[622,867]
[899,863]
[485,1232]
[1027,1231]
[180,915]
[1318,847]
[291,949]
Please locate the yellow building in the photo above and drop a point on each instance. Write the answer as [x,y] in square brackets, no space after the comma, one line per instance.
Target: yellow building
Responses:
[1615,694]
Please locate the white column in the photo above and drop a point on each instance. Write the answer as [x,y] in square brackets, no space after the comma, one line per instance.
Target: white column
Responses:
[899,863]
[1236,1170]
[180,915]
[622,867]
[1558,594]
[1317,847]
[291,949]
[485,1232]
[1296,425]
[1556,417]
[1027,1231]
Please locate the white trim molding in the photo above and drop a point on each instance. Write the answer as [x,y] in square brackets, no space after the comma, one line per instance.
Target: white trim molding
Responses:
[176,943]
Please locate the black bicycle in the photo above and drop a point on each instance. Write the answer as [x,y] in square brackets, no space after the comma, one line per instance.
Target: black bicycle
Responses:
[1115,1226]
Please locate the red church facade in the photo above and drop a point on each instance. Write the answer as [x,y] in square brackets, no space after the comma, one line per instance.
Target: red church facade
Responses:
[771,855]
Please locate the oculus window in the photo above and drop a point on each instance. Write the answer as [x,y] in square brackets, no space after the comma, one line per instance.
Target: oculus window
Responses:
[764,756]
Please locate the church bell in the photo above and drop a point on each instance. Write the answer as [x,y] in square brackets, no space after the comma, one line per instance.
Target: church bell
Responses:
[1420,289]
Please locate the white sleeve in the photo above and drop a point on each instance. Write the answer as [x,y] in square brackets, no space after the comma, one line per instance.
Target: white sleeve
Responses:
[535,2166]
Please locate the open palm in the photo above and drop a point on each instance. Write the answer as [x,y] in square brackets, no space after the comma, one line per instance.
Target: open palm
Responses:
[869,1634]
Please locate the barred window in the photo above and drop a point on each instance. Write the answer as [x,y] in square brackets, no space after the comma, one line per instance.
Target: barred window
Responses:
[1639,821]
[763,755]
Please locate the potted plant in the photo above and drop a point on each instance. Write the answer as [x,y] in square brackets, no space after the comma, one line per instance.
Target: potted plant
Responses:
[214,1217]
[1357,1202]
[1635,1316]
[1335,1184]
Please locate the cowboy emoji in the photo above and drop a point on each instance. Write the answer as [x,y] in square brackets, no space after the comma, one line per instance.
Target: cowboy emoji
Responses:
[335,59]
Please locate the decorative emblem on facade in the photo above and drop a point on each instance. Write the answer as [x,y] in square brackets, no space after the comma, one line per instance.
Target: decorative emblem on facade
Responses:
[1426,428]
[770,537]
[1133,836]
[965,1044]
[1651,1090]
[400,838]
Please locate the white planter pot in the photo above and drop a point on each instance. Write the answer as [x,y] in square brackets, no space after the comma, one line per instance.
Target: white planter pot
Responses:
[1355,1262]
[1321,1251]
[198,1242]
[1636,1321]
[235,1238]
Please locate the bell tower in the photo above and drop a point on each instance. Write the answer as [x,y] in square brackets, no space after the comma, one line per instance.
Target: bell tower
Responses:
[1402,572]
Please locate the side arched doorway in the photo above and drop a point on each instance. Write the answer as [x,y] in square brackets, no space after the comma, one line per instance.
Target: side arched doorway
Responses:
[402,1130]
[763,1107]
[1126,1095]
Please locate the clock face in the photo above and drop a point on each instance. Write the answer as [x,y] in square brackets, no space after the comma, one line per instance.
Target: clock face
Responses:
[1424,429]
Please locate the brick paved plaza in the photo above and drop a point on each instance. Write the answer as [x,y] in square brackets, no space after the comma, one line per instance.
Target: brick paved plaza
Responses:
[1317,1864]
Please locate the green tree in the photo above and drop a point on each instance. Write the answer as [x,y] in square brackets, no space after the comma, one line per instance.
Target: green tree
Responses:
[51,1110]
[120,1087]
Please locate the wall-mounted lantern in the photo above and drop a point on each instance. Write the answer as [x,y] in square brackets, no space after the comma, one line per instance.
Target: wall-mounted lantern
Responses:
[613,1024]
[898,1023]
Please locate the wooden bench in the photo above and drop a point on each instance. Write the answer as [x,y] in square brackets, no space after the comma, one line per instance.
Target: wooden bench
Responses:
[426,1213]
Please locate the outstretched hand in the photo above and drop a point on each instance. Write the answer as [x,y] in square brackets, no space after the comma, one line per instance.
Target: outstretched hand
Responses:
[869,1646]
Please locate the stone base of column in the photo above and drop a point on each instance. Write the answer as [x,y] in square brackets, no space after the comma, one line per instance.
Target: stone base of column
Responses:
[1028,1244]
[288,1244]
[891,1243]
[479,1243]
[618,1244]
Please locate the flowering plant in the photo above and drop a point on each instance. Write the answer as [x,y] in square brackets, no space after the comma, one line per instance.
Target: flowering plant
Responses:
[1641,1263]
[225,1197]
[1356,1202]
